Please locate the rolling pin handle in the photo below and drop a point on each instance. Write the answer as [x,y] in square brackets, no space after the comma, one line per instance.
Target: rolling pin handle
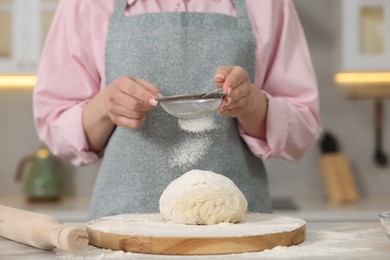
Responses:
[70,237]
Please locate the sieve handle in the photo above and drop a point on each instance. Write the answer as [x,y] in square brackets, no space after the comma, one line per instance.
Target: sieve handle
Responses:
[216,93]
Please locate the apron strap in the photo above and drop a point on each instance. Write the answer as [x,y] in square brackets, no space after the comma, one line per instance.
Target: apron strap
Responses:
[120,9]
[242,15]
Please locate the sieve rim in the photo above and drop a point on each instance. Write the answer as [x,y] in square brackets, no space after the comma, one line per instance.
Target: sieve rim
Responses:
[190,97]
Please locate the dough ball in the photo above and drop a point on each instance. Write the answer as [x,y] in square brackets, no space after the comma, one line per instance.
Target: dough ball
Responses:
[203,198]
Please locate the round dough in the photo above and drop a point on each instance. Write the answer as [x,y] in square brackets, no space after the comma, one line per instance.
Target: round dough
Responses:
[203,198]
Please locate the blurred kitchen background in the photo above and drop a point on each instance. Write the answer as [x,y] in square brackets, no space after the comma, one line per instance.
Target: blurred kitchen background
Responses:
[343,36]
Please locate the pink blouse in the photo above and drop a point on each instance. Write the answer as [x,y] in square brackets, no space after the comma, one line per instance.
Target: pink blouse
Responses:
[72,72]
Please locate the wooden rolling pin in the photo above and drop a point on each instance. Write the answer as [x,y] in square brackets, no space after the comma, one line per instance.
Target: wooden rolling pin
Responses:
[41,231]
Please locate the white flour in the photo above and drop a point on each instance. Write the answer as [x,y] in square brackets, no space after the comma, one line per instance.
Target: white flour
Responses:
[195,146]
[318,244]
[94,253]
[146,225]
[189,151]
[198,125]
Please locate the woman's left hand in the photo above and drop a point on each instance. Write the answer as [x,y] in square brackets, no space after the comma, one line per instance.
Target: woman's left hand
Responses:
[238,88]
[243,100]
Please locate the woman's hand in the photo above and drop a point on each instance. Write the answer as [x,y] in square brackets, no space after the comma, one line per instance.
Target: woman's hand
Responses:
[123,103]
[236,85]
[128,99]
[243,100]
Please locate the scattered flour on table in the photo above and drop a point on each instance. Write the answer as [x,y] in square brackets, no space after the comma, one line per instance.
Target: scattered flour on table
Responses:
[194,146]
[94,253]
[318,244]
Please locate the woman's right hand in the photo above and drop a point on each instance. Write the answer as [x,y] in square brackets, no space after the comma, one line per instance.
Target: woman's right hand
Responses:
[128,99]
[123,103]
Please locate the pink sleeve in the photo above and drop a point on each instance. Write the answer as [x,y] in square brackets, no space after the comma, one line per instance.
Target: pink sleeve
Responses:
[288,80]
[67,79]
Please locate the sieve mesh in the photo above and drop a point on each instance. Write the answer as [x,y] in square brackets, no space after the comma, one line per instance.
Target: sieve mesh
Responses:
[191,106]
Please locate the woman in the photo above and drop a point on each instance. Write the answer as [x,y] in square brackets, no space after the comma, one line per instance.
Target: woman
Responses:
[106,62]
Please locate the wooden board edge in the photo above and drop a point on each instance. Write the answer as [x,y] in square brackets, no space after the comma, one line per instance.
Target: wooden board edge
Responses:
[195,246]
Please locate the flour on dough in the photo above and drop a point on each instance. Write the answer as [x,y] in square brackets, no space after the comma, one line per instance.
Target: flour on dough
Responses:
[203,198]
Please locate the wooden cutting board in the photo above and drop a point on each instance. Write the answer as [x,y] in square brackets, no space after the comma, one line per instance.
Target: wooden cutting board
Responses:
[149,234]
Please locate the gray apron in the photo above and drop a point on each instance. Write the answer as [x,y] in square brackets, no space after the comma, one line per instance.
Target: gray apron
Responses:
[178,52]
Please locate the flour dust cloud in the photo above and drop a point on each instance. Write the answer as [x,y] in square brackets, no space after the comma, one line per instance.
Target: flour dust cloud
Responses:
[195,145]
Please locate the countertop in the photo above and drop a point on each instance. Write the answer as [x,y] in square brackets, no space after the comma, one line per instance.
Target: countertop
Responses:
[319,210]
[67,209]
[324,241]
[333,232]
[75,209]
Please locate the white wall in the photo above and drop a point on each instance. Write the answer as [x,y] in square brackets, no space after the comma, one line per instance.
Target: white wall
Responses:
[18,138]
[350,120]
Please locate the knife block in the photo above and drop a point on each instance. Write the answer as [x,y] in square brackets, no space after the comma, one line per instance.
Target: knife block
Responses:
[340,185]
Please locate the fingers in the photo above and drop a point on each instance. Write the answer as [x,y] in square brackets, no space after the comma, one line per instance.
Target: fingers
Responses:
[148,85]
[236,84]
[125,117]
[130,102]
[139,89]
[221,74]
[232,108]
[128,122]
[229,77]
[128,99]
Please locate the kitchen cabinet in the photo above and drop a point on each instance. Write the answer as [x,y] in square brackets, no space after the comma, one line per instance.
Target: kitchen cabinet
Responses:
[365,35]
[364,70]
[23,28]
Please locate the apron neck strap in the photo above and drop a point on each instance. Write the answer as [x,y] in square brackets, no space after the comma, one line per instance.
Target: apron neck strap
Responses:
[242,12]
[242,15]
[120,9]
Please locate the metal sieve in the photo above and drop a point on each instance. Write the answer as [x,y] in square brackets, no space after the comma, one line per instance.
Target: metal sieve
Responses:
[192,106]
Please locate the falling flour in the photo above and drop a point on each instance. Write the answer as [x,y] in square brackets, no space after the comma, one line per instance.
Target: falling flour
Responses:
[194,146]
[191,150]
[198,125]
